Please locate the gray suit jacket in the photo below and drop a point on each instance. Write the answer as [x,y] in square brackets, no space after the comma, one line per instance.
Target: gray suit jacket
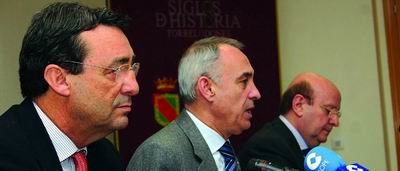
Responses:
[178,146]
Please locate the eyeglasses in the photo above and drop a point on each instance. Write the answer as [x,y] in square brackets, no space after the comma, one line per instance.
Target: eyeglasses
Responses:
[331,111]
[119,71]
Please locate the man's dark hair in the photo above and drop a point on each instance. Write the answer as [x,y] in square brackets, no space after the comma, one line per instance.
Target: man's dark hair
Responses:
[53,38]
[303,88]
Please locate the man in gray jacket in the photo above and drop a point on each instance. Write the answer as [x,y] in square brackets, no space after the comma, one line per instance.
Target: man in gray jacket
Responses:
[216,84]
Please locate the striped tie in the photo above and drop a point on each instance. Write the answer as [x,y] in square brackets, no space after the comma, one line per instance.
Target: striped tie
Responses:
[80,161]
[229,157]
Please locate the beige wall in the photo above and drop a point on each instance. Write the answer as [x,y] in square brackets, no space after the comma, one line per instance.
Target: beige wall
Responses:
[341,40]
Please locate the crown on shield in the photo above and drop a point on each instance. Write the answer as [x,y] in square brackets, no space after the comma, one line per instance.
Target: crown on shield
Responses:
[165,84]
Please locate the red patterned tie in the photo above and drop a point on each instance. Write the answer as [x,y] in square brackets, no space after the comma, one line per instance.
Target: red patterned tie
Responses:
[80,161]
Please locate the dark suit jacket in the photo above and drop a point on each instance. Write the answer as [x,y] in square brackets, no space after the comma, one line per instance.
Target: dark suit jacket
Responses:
[25,144]
[178,146]
[275,143]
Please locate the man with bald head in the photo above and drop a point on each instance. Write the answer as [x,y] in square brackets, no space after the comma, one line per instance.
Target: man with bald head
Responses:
[309,110]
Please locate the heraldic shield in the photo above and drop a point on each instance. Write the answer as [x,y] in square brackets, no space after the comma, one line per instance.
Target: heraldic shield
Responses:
[166,103]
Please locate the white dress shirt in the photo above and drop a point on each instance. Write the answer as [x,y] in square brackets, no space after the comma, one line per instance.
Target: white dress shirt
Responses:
[295,133]
[213,140]
[64,146]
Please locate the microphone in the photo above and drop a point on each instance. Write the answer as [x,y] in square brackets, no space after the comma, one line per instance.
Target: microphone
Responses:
[352,167]
[263,165]
[322,159]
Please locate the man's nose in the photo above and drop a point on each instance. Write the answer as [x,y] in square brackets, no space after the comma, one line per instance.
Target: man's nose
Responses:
[334,120]
[254,93]
[130,85]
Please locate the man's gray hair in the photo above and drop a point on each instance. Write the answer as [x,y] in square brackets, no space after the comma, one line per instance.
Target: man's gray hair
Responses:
[199,60]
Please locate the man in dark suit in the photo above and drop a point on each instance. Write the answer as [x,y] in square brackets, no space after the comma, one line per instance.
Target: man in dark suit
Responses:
[77,77]
[309,111]
[216,84]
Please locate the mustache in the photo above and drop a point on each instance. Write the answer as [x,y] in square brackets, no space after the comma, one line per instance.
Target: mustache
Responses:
[121,100]
[250,105]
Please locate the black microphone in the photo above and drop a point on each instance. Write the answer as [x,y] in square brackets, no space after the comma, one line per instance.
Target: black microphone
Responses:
[263,165]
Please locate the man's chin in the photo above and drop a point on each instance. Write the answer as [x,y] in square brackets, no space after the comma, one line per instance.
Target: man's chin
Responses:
[121,123]
[323,139]
[244,127]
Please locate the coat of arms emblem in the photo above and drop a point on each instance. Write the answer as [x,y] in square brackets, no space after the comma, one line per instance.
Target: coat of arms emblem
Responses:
[166,101]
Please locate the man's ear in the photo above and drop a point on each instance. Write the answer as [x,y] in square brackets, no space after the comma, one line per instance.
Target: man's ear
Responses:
[205,87]
[55,76]
[298,103]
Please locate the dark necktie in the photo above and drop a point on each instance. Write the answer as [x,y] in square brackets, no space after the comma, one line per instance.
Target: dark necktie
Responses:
[305,151]
[80,161]
[229,157]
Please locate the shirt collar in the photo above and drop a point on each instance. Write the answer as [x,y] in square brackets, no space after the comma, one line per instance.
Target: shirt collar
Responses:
[63,145]
[295,133]
[212,138]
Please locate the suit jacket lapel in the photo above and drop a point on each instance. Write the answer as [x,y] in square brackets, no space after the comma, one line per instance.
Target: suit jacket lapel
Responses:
[285,132]
[200,146]
[42,147]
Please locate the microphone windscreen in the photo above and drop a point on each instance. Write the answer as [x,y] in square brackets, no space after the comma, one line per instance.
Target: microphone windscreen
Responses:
[352,167]
[322,159]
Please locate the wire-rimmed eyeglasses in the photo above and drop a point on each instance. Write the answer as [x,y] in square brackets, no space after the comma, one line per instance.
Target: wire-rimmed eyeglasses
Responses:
[119,71]
[331,111]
